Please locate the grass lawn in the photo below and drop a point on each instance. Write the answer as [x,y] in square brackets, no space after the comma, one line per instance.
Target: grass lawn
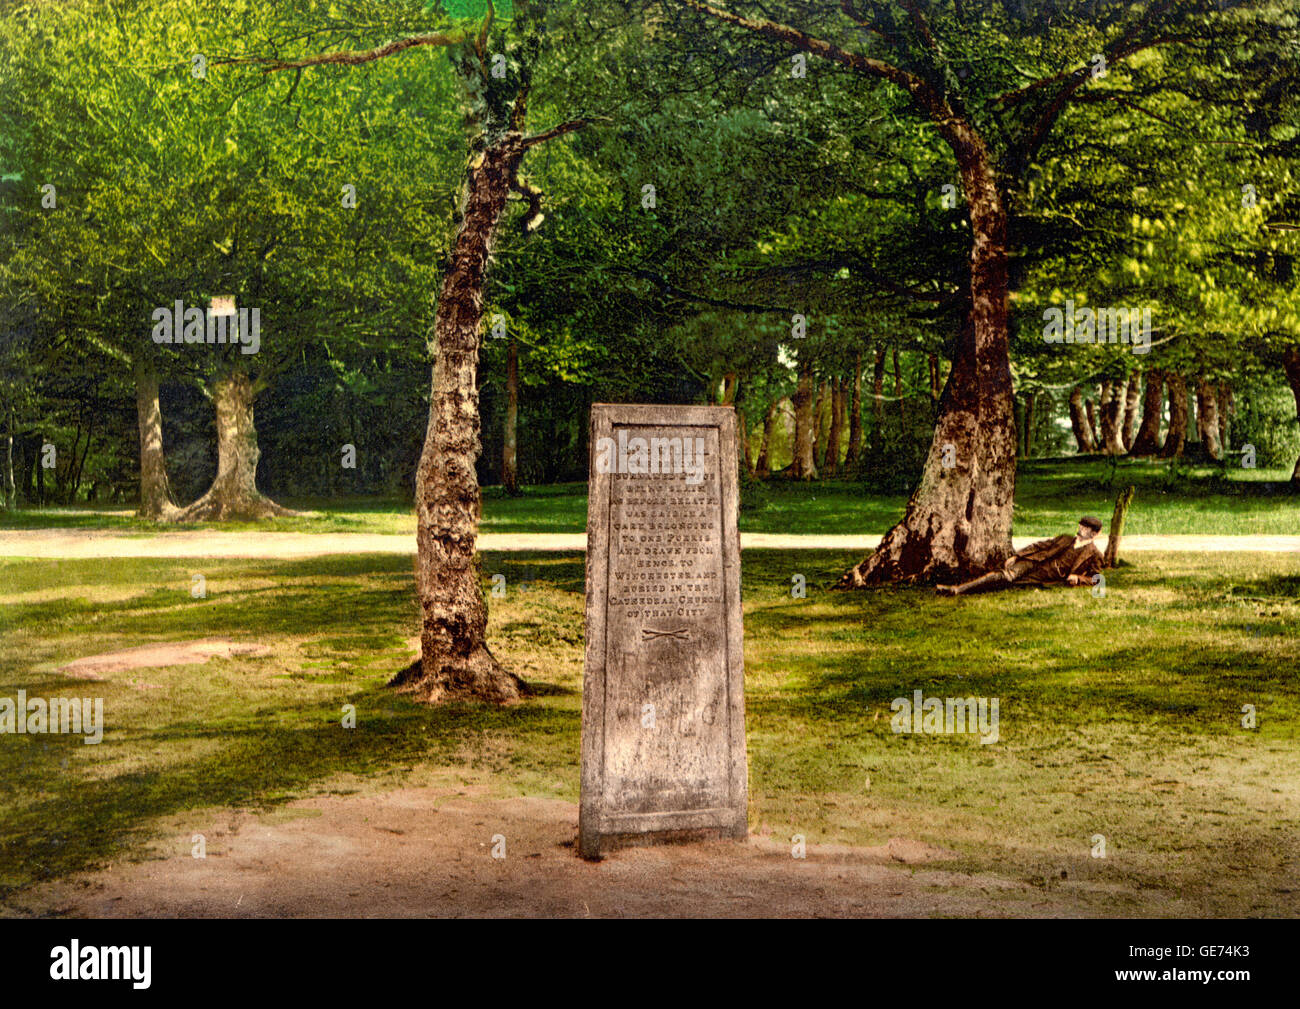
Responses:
[1120,715]
[1050,497]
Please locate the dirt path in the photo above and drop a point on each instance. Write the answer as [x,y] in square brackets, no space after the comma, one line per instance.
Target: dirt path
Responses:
[73,543]
[428,852]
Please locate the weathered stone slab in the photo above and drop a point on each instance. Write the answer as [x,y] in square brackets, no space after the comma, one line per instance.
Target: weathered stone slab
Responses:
[663,705]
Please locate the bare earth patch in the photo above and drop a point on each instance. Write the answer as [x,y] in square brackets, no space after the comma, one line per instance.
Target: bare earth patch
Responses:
[415,852]
[169,653]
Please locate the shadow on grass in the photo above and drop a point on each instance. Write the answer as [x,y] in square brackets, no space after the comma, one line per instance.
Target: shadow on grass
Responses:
[79,822]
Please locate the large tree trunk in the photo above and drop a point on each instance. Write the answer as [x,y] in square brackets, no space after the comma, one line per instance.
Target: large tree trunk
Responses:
[156,501]
[855,415]
[833,436]
[234,493]
[1291,362]
[763,468]
[958,520]
[1079,423]
[1207,419]
[1112,405]
[804,466]
[1131,397]
[1176,436]
[1147,440]
[454,659]
[510,446]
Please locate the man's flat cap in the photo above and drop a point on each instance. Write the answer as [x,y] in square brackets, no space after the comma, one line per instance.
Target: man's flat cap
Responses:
[1092,522]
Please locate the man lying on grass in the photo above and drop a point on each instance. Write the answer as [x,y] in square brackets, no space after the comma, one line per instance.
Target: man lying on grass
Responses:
[1062,560]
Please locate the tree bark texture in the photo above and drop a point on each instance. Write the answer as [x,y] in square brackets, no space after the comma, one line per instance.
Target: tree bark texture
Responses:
[1176,436]
[1079,423]
[234,493]
[156,501]
[1147,440]
[454,658]
[1207,419]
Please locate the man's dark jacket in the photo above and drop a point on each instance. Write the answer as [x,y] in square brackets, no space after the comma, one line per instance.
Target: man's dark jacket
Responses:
[1050,562]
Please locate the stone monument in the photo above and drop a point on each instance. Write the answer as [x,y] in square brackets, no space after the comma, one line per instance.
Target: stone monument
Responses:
[663,698]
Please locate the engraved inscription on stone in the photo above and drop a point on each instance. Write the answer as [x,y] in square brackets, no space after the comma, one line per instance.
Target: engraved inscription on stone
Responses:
[663,711]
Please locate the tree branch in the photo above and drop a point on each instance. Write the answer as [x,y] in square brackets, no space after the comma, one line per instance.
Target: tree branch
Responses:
[351,57]
[928,98]
[558,131]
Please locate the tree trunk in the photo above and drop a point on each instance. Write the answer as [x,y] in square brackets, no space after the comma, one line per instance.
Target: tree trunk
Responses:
[878,402]
[1112,406]
[764,467]
[1207,419]
[804,467]
[156,501]
[234,493]
[455,662]
[1131,397]
[833,436]
[855,415]
[1176,436]
[936,389]
[1079,423]
[1147,440]
[81,460]
[958,520]
[510,445]
[1111,557]
[1227,410]
[1090,412]
[1291,362]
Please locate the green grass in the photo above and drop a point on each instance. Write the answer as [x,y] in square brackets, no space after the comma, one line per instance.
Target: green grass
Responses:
[1050,497]
[1120,715]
